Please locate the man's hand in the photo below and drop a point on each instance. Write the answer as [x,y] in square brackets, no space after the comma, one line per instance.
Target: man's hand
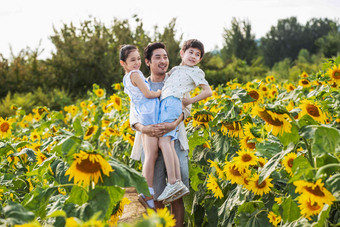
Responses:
[156,130]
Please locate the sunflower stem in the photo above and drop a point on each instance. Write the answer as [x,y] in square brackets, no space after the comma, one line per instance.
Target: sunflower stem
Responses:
[309,153]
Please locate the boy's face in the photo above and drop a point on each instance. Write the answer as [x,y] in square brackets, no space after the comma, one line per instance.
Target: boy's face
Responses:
[191,56]
[159,62]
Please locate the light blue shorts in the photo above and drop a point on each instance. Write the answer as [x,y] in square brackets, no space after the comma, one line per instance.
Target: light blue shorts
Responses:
[170,109]
[147,111]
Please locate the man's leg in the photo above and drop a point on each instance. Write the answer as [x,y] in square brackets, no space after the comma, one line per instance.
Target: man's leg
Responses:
[177,209]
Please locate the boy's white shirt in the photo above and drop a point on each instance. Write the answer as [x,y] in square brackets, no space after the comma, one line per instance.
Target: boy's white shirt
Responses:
[182,134]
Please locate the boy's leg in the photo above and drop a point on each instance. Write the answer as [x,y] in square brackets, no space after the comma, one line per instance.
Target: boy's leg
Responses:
[176,162]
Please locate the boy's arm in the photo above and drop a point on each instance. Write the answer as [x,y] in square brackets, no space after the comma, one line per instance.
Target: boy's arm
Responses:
[205,93]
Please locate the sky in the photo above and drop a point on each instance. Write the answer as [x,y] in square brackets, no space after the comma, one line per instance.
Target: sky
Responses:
[29,23]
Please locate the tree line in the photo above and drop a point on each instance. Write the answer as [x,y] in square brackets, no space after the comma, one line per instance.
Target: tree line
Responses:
[89,54]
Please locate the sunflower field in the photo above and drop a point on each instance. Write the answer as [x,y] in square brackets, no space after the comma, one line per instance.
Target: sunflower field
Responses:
[264,153]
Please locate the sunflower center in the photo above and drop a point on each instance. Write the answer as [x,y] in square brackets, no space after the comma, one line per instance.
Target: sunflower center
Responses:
[266,116]
[4,127]
[86,166]
[250,145]
[90,131]
[290,163]
[291,88]
[316,191]
[231,126]
[336,75]
[234,171]
[117,101]
[246,158]
[312,110]
[306,82]
[313,206]
[262,185]
[254,95]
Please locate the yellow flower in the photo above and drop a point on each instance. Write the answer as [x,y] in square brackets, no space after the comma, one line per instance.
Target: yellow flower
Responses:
[334,74]
[202,118]
[264,90]
[1,192]
[116,101]
[309,208]
[163,217]
[129,138]
[5,128]
[40,157]
[35,136]
[304,83]
[287,162]
[90,132]
[117,86]
[88,167]
[273,218]
[277,123]
[115,217]
[290,87]
[262,161]
[245,159]
[304,75]
[214,187]
[219,171]
[260,188]
[313,110]
[99,92]
[246,144]
[278,200]
[233,174]
[232,129]
[314,192]
[62,190]
[270,79]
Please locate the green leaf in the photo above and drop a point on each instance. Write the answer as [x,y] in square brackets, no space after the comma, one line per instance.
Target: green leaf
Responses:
[293,136]
[291,211]
[5,147]
[326,139]
[99,202]
[70,146]
[242,95]
[78,195]
[194,172]
[39,200]
[195,140]
[271,165]
[301,167]
[79,131]
[333,185]
[269,148]
[116,194]
[59,169]
[125,176]
[256,219]
[327,170]
[16,214]
[323,216]
[222,144]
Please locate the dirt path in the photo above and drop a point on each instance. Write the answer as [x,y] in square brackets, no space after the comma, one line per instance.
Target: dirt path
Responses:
[133,211]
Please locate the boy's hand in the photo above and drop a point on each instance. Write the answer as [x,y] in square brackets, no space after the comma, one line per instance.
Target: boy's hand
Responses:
[186,101]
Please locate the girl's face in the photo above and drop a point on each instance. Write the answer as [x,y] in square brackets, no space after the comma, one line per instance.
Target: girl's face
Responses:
[191,56]
[133,61]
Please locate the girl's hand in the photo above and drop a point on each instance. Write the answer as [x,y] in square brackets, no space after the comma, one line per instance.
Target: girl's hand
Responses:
[158,93]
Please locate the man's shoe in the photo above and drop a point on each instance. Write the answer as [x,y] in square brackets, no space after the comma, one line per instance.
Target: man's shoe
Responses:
[185,191]
[170,190]
[143,200]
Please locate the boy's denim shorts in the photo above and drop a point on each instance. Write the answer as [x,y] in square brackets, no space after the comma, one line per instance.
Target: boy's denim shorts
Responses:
[160,176]
[170,109]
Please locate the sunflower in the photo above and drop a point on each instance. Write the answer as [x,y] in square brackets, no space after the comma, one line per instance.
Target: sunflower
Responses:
[270,79]
[219,171]
[163,217]
[1,192]
[5,128]
[255,95]
[129,138]
[314,192]
[334,74]
[90,132]
[119,212]
[87,167]
[287,162]
[232,129]
[304,83]
[99,92]
[277,123]
[290,87]
[264,90]
[273,218]
[245,159]
[304,75]
[262,161]
[247,144]
[308,208]
[202,118]
[313,110]
[117,86]
[112,131]
[116,101]
[35,136]
[233,174]
[40,157]
[214,187]
[264,187]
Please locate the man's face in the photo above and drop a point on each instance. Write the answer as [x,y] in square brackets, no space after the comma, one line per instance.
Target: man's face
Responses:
[159,62]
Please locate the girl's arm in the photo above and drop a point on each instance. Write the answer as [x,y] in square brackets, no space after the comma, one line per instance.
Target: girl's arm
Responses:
[205,93]
[139,82]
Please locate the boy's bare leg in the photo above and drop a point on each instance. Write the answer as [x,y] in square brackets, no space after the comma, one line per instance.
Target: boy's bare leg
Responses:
[176,162]
[169,158]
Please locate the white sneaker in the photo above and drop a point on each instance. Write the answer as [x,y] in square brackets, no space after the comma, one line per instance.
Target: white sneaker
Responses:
[170,190]
[178,195]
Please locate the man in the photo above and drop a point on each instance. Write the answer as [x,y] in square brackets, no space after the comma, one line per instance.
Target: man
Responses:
[156,58]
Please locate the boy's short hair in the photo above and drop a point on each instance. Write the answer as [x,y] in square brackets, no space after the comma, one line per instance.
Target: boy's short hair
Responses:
[193,43]
[148,50]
